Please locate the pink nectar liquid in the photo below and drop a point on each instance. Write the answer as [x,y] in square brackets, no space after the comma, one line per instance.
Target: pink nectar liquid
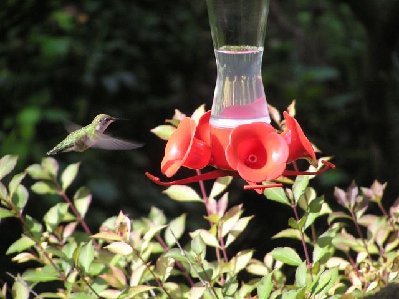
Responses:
[239,95]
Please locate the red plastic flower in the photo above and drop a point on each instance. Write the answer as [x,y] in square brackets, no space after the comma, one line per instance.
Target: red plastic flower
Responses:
[184,148]
[299,145]
[257,152]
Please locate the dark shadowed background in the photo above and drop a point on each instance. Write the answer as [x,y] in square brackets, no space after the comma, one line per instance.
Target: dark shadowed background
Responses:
[142,59]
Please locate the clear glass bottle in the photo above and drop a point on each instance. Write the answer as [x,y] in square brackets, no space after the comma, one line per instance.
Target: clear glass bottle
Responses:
[238,30]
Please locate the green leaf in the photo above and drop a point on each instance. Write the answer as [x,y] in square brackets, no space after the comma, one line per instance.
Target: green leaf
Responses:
[47,273]
[150,234]
[207,237]
[177,226]
[15,182]
[300,184]
[7,164]
[277,194]
[164,131]
[177,254]
[134,291]
[164,267]
[290,233]
[4,213]
[286,255]
[241,260]
[20,289]
[182,193]
[33,226]
[3,192]
[50,165]
[82,296]
[55,216]
[20,198]
[230,219]
[43,188]
[82,200]
[21,244]
[120,247]
[69,174]
[265,287]
[301,275]
[220,185]
[86,256]
[198,245]
[37,172]
[322,282]
[237,229]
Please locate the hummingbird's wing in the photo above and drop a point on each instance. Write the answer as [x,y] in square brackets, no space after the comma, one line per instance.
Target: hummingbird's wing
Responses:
[71,127]
[111,143]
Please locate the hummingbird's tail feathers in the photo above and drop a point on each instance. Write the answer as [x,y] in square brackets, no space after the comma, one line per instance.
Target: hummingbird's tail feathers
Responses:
[111,143]
[59,148]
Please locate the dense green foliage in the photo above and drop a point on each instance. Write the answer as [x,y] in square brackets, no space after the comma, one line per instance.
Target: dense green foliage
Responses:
[141,59]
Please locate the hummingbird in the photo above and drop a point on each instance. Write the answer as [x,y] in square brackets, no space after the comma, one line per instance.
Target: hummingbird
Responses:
[92,135]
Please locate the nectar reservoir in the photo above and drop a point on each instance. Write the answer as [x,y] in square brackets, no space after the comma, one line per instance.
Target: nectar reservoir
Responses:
[238,30]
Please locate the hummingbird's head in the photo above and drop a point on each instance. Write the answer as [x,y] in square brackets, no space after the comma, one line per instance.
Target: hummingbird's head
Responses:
[102,121]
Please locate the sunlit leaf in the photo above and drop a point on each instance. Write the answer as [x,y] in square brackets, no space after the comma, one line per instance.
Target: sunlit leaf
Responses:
[207,237]
[69,174]
[197,245]
[277,194]
[256,267]
[121,248]
[290,233]
[230,219]
[134,291]
[82,200]
[43,188]
[37,172]
[7,164]
[237,229]
[86,256]
[164,131]
[4,213]
[164,267]
[55,215]
[300,184]
[175,230]
[286,255]
[47,273]
[15,182]
[265,287]
[241,260]
[20,197]
[220,185]
[198,113]
[21,244]
[182,193]
[3,192]
[107,236]
[50,165]
[20,289]
[301,275]
[24,257]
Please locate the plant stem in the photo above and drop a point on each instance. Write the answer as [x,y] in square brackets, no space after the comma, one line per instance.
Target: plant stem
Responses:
[208,211]
[305,248]
[385,213]
[178,264]
[75,211]
[21,218]
[158,281]
[359,231]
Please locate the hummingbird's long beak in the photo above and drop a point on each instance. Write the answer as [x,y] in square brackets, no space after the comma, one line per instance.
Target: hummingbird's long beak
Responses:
[117,118]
